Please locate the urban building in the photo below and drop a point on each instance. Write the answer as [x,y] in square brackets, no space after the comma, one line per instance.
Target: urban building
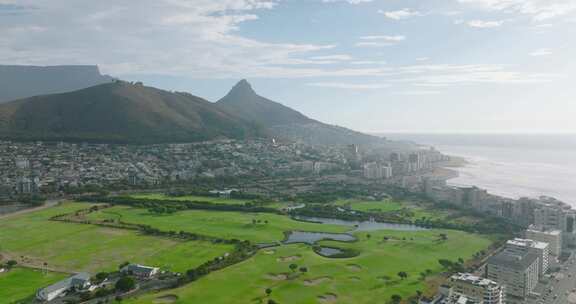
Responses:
[521,246]
[479,290]
[552,237]
[79,281]
[518,274]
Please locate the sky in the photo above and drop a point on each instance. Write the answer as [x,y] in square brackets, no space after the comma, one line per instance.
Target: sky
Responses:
[490,66]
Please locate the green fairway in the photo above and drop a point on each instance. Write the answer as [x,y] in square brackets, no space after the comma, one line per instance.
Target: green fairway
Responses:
[22,283]
[222,224]
[368,278]
[216,200]
[385,206]
[78,247]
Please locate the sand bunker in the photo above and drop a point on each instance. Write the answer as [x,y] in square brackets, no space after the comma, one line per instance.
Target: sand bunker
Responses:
[167,299]
[289,258]
[316,281]
[328,298]
[277,276]
[354,267]
[272,251]
[355,279]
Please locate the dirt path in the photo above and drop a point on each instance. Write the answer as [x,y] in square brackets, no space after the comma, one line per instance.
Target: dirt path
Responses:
[48,204]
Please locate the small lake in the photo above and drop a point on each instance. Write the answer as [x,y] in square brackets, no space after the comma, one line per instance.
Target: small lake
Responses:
[328,251]
[313,237]
[357,226]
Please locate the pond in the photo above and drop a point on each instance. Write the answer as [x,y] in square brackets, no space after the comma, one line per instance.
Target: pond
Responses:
[329,251]
[313,237]
[357,226]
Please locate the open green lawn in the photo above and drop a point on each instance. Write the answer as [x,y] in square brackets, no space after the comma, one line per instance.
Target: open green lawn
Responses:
[370,277]
[229,225]
[78,247]
[391,206]
[22,283]
[216,200]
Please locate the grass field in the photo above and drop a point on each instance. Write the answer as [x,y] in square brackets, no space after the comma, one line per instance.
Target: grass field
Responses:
[370,277]
[78,247]
[216,200]
[230,225]
[22,283]
[391,206]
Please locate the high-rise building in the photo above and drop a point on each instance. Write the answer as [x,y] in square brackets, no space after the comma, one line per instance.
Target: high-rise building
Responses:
[518,274]
[522,246]
[552,237]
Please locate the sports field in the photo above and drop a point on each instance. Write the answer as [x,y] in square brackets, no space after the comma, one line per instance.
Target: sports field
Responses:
[223,224]
[370,277]
[78,247]
[22,283]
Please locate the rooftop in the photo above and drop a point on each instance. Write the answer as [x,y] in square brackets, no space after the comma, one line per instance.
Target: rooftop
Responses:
[516,262]
[527,243]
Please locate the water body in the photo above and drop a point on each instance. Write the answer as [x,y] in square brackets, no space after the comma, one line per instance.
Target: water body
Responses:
[357,226]
[329,251]
[511,165]
[313,237]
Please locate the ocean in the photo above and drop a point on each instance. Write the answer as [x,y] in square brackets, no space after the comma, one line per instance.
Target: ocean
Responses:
[510,165]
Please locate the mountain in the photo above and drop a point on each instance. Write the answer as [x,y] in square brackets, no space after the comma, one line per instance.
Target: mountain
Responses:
[120,112]
[18,82]
[284,122]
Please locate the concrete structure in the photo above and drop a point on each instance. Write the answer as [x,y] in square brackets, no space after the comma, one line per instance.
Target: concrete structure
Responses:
[140,271]
[522,246]
[79,281]
[552,237]
[518,274]
[377,171]
[476,289]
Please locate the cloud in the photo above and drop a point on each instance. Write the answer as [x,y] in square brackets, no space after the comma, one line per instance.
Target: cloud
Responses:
[349,1]
[380,40]
[165,37]
[400,14]
[396,38]
[348,86]
[484,24]
[538,10]
[541,52]
[338,57]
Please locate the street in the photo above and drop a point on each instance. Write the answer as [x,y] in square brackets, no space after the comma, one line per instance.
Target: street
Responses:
[561,288]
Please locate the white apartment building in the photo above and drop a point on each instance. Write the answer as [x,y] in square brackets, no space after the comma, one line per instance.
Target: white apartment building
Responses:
[552,237]
[521,246]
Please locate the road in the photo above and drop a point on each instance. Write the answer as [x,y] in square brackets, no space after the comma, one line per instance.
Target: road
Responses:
[562,284]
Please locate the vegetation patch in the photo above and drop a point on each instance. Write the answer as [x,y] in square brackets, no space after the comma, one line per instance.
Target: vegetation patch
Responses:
[21,284]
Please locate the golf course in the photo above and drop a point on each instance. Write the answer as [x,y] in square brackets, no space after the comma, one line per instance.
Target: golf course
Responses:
[282,273]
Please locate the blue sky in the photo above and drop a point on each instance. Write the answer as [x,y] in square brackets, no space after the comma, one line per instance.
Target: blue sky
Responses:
[372,65]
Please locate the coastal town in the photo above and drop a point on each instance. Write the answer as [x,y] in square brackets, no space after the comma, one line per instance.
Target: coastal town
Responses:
[530,268]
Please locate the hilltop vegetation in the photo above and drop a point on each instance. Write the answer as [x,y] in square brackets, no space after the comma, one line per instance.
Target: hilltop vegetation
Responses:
[120,113]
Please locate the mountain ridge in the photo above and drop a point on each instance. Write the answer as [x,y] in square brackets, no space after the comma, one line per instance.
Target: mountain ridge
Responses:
[285,122]
[21,81]
[123,113]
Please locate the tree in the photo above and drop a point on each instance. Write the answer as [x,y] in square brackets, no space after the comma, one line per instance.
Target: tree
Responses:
[125,284]
[303,269]
[403,275]
[396,299]
[123,265]
[268,291]
[11,263]
[443,236]
[101,276]
[293,267]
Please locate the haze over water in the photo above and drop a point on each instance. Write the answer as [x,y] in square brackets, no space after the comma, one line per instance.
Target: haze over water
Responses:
[511,165]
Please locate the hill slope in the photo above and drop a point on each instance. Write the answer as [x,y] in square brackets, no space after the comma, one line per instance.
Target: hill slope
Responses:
[18,82]
[120,112]
[284,122]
